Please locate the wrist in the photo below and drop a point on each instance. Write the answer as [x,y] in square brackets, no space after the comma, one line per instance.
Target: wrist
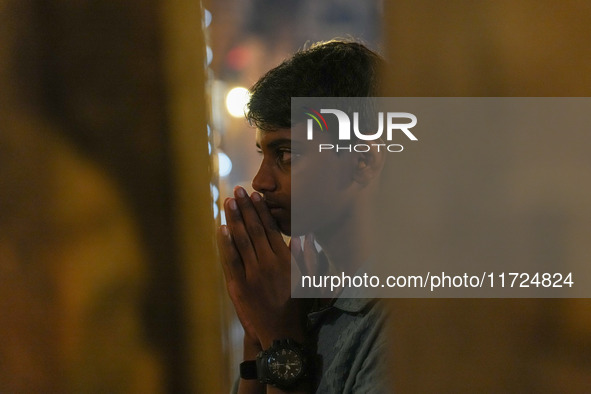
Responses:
[295,335]
[251,348]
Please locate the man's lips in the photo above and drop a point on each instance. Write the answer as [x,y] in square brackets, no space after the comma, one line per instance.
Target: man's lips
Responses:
[273,206]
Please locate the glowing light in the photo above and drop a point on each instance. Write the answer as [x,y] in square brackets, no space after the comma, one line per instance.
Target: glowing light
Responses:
[207,17]
[215,193]
[209,54]
[236,101]
[224,164]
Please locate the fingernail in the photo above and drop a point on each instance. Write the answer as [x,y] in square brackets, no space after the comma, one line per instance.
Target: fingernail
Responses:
[256,196]
[225,231]
[240,192]
[233,204]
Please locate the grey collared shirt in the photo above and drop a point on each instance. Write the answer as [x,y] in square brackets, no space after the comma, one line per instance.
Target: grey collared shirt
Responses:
[351,346]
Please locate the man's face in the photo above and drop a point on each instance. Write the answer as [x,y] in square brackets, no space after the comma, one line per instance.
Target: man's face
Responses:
[306,191]
[273,179]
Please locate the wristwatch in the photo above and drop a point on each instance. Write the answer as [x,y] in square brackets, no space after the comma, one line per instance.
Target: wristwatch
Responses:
[283,365]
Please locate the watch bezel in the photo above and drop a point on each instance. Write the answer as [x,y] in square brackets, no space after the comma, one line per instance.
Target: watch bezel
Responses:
[269,376]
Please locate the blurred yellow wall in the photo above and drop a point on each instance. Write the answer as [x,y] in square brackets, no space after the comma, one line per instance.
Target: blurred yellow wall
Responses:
[109,280]
[495,48]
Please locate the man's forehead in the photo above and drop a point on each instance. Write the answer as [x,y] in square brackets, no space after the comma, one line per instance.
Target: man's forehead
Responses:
[264,137]
[296,133]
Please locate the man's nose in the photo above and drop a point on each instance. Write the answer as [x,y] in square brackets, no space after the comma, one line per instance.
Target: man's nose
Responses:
[264,181]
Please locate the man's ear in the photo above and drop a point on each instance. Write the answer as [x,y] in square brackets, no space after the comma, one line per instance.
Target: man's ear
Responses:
[368,165]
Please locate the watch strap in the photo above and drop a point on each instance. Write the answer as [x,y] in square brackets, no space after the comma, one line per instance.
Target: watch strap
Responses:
[248,370]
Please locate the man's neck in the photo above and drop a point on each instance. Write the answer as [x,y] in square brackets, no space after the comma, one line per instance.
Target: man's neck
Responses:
[348,243]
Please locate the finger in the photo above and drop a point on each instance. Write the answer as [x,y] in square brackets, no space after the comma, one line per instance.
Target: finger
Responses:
[270,225]
[240,237]
[322,265]
[295,245]
[310,254]
[231,262]
[253,224]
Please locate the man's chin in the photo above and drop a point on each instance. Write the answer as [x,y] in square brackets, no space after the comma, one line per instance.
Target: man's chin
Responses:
[282,220]
[284,228]
[296,232]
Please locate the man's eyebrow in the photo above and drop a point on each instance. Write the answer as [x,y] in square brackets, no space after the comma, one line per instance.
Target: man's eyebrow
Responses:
[276,143]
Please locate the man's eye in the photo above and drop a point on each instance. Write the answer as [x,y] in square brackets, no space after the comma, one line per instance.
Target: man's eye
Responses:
[284,156]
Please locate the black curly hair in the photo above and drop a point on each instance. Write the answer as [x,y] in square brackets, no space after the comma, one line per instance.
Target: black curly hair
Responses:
[336,68]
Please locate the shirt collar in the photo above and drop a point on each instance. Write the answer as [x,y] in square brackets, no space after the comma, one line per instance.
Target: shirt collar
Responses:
[351,299]
[351,305]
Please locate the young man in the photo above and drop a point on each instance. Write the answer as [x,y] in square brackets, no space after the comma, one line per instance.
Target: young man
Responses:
[294,345]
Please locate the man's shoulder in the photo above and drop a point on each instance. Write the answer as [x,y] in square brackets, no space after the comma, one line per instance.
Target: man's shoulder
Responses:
[352,345]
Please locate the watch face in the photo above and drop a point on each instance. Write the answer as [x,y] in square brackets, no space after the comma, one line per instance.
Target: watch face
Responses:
[285,364]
